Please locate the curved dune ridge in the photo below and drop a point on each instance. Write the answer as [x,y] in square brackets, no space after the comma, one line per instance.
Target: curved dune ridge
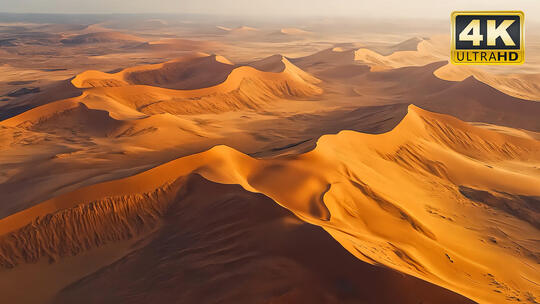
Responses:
[195,84]
[420,199]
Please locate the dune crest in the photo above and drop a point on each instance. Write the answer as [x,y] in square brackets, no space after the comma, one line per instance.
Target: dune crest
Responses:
[172,74]
[353,185]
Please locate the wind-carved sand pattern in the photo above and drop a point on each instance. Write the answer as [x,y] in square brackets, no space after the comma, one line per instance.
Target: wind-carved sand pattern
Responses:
[168,162]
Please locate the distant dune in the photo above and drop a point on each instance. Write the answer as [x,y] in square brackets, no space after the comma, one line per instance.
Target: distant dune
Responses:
[293,31]
[524,85]
[411,52]
[289,34]
[101,37]
[341,186]
[241,30]
[188,72]
[469,99]
[177,44]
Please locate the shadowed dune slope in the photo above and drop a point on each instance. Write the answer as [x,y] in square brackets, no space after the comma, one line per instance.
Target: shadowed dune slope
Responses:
[412,200]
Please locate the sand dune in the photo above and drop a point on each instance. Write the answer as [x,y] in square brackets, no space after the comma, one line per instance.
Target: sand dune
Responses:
[245,251]
[522,85]
[469,100]
[352,185]
[241,30]
[130,91]
[244,88]
[188,72]
[288,35]
[292,31]
[411,52]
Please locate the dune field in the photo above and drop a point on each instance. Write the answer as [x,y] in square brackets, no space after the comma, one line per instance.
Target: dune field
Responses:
[157,160]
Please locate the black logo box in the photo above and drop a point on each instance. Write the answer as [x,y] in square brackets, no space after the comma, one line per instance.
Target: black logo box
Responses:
[513,30]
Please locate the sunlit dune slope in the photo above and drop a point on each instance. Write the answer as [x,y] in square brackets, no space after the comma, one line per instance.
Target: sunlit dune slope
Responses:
[435,198]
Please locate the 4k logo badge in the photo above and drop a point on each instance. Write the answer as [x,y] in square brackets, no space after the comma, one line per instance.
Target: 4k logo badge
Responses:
[487,37]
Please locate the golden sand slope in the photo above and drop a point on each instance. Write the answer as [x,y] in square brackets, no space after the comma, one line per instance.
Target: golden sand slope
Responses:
[435,198]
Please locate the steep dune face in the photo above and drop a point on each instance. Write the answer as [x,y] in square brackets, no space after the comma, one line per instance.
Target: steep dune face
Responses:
[418,199]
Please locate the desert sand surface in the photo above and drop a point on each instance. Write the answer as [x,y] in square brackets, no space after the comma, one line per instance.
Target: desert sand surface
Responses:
[160,159]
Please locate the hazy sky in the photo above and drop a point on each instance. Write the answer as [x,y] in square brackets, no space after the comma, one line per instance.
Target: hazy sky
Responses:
[376,8]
